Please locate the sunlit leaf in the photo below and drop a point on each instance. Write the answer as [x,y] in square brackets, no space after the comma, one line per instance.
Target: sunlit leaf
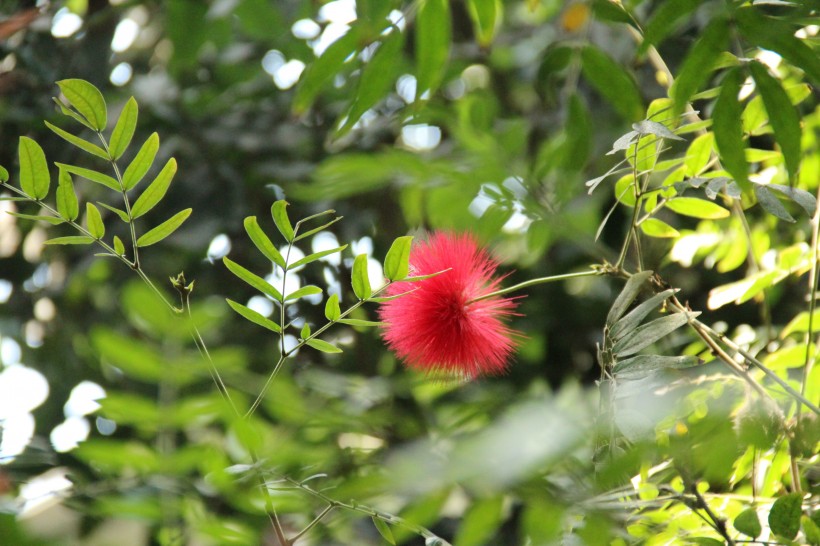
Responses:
[94,221]
[53,220]
[34,177]
[748,523]
[92,175]
[141,162]
[360,279]
[397,260]
[697,208]
[323,346]
[308,290]
[88,101]
[262,242]
[119,248]
[4,174]
[67,204]
[119,212]
[486,15]
[332,310]
[154,193]
[124,129]
[279,212]
[658,228]
[310,258]
[254,316]
[71,240]
[254,280]
[82,144]
[164,229]
[384,530]
[360,323]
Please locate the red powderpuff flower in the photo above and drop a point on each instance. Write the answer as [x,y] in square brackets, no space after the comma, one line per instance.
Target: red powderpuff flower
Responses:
[436,327]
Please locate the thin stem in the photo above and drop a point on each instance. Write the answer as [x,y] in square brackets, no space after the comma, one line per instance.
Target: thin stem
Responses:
[312,524]
[266,386]
[534,282]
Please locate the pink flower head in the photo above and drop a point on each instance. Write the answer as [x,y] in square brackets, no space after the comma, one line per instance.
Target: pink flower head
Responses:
[436,327]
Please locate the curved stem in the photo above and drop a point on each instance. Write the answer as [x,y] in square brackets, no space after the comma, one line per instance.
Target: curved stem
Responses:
[534,282]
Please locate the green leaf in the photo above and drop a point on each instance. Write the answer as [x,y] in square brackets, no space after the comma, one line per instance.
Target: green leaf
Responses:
[321,71]
[262,242]
[641,365]
[323,346]
[119,248]
[360,323]
[154,193]
[164,229]
[748,523]
[658,228]
[784,517]
[803,198]
[397,260]
[698,154]
[310,232]
[92,175]
[811,530]
[633,318]
[53,220]
[141,162]
[305,332]
[82,144]
[649,333]
[121,213]
[71,240]
[71,113]
[377,78]
[665,17]
[254,317]
[279,211]
[697,208]
[384,530]
[771,204]
[4,174]
[124,129]
[778,36]
[614,83]
[254,280]
[360,280]
[480,522]
[94,221]
[67,204]
[88,101]
[728,129]
[308,290]
[631,289]
[486,15]
[315,256]
[783,116]
[332,310]
[433,39]
[34,176]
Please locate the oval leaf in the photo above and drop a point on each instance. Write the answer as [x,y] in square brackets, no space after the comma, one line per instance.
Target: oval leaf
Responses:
[748,523]
[164,229]
[323,346]
[315,256]
[262,242]
[658,228]
[649,333]
[771,204]
[360,279]
[384,530]
[141,162]
[88,101]
[34,177]
[154,193]
[784,517]
[82,144]
[254,280]
[308,290]
[119,248]
[67,204]
[397,260]
[94,221]
[279,212]
[697,208]
[53,220]
[92,175]
[254,317]
[332,310]
[124,129]
[71,240]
